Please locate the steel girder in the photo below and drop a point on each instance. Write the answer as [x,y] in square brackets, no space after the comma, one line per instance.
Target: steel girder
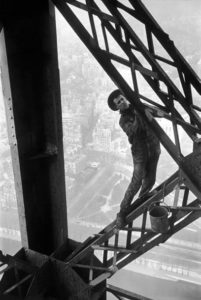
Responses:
[30,274]
[31,90]
[170,100]
[113,23]
[116,248]
[123,294]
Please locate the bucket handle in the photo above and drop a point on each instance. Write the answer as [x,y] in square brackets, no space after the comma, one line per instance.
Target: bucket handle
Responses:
[163,200]
[154,203]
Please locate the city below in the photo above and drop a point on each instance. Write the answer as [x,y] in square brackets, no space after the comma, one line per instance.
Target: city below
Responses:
[98,163]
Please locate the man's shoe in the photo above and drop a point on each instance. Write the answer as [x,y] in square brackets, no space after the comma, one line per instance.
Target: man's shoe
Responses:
[120,220]
[146,196]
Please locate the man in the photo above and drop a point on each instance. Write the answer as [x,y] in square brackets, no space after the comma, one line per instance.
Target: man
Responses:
[145,150]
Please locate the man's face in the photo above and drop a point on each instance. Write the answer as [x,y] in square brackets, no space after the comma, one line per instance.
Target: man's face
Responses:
[121,102]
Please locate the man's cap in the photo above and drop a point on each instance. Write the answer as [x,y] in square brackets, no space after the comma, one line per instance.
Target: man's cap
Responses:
[111,98]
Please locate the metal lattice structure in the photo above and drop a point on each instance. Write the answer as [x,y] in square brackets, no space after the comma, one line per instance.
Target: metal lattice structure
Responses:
[119,293]
[116,248]
[114,17]
[112,39]
[23,273]
[115,25]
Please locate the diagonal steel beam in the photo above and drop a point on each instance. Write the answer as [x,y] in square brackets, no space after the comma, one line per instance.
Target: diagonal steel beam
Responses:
[123,293]
[168,45]
[109,231]
[112,6]
[132,96]
[114,24]
[149,241]
[150,56]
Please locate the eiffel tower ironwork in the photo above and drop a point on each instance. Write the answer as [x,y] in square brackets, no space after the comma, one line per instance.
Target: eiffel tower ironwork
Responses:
[110,23]
[114,26]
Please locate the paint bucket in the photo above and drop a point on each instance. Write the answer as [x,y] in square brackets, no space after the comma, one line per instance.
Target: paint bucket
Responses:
[159,219]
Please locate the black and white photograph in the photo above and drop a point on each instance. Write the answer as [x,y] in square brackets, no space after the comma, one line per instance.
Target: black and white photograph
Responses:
[100,150]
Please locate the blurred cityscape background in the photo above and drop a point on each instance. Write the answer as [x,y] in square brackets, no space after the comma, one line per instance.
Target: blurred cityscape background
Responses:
[98,163]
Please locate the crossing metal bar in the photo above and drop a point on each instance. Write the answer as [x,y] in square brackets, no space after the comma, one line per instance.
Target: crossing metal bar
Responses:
[118,292]
[151,239]
[144,220]
[129,235]
[114,249]
[168,45]
[110,230]
[105,61]
[105,253]
[112,7]
[91,267]
[17,278]
[83,266]
[117,26]
[17,284]
[6,269]
[93,27]
[145,242]
[107,24]
[18,263]
[185,198]
[161,238]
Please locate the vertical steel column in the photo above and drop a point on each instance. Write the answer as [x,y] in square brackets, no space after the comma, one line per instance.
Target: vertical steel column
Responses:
[31,50]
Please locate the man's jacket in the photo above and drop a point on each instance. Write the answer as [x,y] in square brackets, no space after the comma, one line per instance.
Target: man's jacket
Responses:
[144,142]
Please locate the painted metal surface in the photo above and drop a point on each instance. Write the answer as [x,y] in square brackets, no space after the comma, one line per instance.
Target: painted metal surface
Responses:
[32,91]
[12,139]
[114,26]
[107,244]
[117,26]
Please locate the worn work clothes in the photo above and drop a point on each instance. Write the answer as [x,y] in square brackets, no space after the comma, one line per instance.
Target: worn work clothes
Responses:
[145,149]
